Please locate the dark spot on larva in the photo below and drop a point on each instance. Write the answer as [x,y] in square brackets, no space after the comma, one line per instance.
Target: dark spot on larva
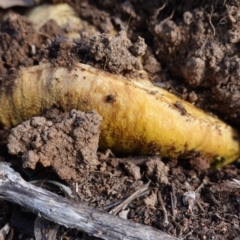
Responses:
[180,107]
[235,138]
[154,92]
[111,98]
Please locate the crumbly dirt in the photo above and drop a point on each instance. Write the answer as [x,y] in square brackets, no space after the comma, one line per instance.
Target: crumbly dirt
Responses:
[118,53]
[66,142]
[17,40]
[190,48]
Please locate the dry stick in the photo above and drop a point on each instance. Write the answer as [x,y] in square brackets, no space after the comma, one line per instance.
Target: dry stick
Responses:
[67,190]
[128,200]
[70,214]
[158,10]
[172,205]
[173,201]
[165,215]
[210,21]
[197,191]
[200,206]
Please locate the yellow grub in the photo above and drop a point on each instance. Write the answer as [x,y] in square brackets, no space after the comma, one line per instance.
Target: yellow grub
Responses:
[138,117]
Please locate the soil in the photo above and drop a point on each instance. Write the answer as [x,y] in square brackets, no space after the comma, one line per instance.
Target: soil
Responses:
[64,141]
[190,48]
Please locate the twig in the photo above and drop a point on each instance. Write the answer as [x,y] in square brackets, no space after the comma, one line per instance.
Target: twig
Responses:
[71,214]
[173,201]
[63,187]
[200,186]
[125,203]
[158,10]
[200,205]
[210,21]
[186,235]
[165,215]
[172,205]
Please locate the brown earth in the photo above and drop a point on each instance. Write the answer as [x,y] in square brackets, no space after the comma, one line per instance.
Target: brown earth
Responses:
[191,48]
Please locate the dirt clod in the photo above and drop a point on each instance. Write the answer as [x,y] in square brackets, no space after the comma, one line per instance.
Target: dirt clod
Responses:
[64,142]
[133,170]
[156,169]
[151,200]
[17,37]
[116,52]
